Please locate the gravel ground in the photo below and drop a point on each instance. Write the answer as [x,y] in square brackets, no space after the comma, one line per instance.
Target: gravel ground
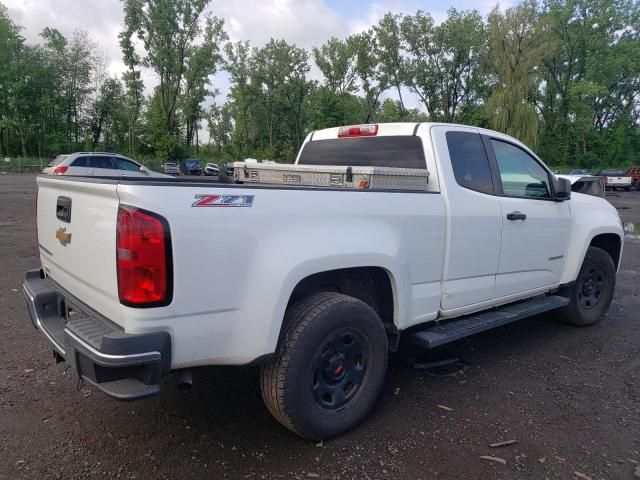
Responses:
[569,397]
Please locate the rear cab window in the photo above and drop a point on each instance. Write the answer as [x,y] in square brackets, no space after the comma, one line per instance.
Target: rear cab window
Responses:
[396,151]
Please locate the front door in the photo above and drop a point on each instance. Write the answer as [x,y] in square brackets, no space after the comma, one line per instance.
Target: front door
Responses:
[535,228]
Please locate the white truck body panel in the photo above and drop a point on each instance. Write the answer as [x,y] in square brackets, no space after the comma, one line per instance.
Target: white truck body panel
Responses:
[447,251]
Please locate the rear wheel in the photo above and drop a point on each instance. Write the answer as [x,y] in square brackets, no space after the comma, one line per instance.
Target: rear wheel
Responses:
[591,294]
[329,368]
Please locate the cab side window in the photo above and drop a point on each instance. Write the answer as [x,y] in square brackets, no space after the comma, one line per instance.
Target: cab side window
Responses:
[469,161]
[521,175]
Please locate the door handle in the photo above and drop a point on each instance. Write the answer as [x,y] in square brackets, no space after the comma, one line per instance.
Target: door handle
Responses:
[516,216]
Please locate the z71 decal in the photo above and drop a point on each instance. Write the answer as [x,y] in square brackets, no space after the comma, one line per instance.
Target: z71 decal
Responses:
[204,200]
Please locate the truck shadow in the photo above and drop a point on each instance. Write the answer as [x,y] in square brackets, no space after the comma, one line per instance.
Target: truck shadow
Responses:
[222,426]
[226,401]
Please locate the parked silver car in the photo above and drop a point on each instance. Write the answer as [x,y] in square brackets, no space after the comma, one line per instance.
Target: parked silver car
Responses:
[101,164]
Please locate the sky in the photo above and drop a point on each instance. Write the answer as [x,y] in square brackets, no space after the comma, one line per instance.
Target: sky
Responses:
[306,23]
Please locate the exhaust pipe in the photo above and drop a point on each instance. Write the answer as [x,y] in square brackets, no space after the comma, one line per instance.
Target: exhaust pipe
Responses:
[185,380]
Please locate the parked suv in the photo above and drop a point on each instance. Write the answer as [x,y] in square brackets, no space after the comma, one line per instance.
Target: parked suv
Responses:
[101,164]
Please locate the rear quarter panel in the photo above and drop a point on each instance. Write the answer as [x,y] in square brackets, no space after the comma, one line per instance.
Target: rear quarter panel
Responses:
[235,267]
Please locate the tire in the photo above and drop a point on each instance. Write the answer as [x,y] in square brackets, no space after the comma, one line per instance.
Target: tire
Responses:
[330,366]
[592,292]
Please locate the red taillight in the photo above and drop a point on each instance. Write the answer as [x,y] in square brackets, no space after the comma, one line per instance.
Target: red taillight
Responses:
[60,170]
[144,258]
[358,131]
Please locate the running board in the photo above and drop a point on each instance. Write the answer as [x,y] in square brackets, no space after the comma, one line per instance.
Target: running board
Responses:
[456,329]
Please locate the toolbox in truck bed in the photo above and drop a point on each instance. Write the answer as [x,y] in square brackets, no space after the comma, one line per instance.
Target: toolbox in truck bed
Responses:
[356,178]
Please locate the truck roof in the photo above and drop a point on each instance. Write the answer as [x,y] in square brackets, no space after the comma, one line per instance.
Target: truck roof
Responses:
[396,128]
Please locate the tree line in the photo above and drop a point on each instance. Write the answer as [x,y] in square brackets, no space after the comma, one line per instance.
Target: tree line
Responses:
[562,75]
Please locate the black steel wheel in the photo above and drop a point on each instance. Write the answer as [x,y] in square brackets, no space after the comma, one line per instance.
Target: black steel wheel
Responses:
[592,292]
[591,287]
[330,366]
[339,368]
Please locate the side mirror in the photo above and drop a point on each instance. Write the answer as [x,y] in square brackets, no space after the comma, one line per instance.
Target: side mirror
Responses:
[144,170]
[563,189]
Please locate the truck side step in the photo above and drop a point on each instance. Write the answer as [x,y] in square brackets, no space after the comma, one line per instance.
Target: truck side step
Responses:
[456,329]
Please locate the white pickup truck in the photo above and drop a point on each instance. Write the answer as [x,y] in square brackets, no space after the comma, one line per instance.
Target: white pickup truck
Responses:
[614,179]
[142,277]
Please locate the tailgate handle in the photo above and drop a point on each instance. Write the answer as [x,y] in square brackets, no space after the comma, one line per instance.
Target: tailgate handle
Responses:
[63,209]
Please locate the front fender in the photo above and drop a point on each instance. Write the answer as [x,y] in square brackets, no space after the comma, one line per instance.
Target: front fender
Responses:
[590,216]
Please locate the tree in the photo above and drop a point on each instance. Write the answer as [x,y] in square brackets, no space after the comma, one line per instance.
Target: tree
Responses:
[11,44]
[589,75]
[220,126]
[443,69]
[374,81]
[389,50]
[238,65]
[516,44]
[201,63]
[108,118]
[169,31]
[337,60]
[79,60]
[325,108]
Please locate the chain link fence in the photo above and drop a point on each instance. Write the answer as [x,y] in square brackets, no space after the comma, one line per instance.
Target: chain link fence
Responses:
[22,165]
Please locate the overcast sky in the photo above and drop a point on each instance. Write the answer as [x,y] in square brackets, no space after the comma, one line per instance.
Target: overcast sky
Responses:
[306,23]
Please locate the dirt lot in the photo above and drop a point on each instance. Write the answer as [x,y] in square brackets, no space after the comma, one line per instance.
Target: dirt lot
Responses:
[570,398]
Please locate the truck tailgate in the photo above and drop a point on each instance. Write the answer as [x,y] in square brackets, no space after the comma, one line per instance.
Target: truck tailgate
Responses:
[77,240]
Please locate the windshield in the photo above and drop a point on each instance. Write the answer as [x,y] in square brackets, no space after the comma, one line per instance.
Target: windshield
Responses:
[399,151]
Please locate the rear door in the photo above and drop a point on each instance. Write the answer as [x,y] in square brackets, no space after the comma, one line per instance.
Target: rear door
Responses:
[535,228]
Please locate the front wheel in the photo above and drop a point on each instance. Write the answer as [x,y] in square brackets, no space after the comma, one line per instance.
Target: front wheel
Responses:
[591,294]
[330,366]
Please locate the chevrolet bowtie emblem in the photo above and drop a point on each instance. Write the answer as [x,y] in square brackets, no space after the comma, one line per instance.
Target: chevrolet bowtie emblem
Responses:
[63,236]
